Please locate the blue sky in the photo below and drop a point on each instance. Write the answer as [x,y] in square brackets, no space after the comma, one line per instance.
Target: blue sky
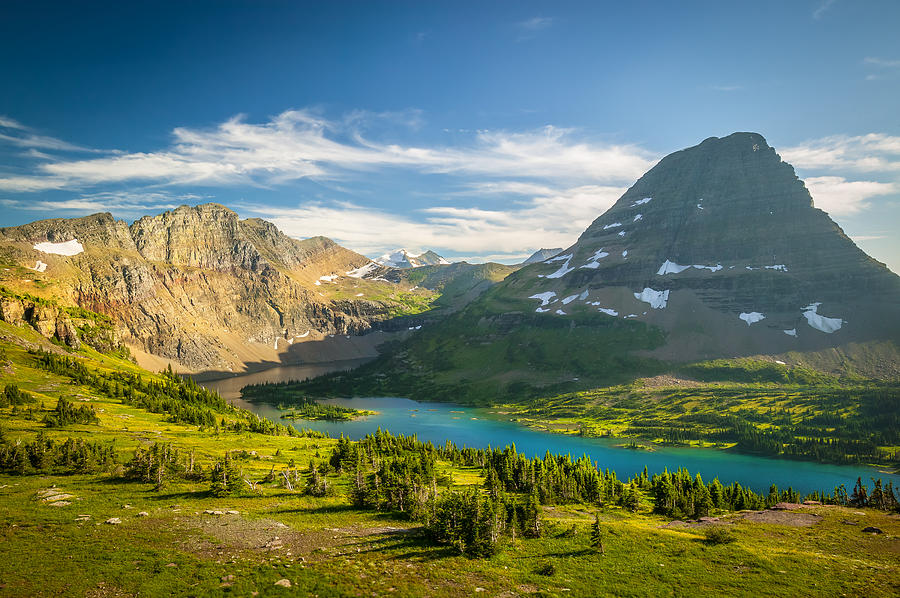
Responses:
[479,130]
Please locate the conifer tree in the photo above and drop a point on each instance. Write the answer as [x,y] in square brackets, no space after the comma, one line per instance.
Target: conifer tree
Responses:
[226,479]
[533,516]
[597,534]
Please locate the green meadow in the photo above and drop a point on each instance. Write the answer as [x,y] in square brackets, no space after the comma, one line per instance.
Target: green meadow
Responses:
[83,528]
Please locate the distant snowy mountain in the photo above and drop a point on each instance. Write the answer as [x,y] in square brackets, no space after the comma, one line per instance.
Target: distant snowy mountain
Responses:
[542,254]
[401,258]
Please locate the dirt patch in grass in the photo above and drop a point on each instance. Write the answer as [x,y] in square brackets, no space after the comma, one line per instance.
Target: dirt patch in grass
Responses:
[703,522]
[232,535]
[789,518]
[770,516]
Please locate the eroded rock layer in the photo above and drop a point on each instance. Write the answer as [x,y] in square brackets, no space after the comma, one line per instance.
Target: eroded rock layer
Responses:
[196,285]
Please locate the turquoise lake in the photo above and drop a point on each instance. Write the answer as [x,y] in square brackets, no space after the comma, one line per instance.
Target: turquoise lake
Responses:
[465,426]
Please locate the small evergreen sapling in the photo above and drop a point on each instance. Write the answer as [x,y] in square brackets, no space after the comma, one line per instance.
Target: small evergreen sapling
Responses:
[597,535]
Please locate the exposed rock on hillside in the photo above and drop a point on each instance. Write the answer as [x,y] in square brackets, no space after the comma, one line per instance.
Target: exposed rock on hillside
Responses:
[195,285]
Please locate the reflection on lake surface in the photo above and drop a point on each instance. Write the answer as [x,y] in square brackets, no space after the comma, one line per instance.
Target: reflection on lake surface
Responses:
[439,422]
[230,388]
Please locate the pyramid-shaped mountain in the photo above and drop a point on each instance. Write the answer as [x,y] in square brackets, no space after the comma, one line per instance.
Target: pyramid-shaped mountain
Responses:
[721,245]
[716,252]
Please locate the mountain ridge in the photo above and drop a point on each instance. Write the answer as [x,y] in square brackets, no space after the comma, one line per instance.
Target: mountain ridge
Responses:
[202,290]
[196,285]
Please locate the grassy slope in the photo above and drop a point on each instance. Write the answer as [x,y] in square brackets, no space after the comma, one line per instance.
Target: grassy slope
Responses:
[177,549]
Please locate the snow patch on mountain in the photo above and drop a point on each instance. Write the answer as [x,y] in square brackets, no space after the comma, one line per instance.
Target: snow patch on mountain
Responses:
[613,225]
[780,267]
[69,248]
[656,299]
[670,267]
[39,266]
[819,322]
[641,202]
[715,268]
[544,297]
[327,278]
[791,332]
[563,270]
[752,317]
[362,271]
[594,262]
[638,217]
[580,297]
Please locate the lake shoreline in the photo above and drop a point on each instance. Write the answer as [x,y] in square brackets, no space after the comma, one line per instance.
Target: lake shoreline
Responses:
[479,427]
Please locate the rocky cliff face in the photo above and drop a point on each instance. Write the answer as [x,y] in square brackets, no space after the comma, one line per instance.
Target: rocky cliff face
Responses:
[195,285]
[68,326]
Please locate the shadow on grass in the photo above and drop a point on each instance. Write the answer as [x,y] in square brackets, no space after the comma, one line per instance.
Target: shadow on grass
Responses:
[406,544]
[167,496]
[337,509]
[564,553]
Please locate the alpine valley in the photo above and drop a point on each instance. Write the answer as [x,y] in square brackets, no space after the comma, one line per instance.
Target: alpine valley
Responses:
[712,310]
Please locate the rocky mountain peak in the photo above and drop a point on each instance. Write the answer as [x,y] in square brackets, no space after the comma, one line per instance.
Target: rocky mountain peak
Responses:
[542,254]
[402,258]
[726,226]
[204,236]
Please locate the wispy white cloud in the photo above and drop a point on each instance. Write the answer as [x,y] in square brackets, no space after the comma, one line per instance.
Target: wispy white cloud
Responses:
[840,197]
[123,203]
[822,8]
[23,136]
[298,144]
[530,28]
[35,141]
[829,165]
[554,219]
[10,123]
[882,62]
[875,152]
[535,23]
